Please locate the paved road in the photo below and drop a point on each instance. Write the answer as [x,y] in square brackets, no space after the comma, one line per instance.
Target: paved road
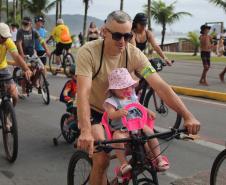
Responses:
[39,162]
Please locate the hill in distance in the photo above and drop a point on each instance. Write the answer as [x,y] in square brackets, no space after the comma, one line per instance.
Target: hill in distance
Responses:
[74,22]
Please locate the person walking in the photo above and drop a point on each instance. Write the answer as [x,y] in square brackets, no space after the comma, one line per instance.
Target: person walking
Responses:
[205,47]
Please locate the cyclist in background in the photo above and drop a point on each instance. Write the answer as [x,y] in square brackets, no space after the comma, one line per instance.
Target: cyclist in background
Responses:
[62,37]
[7,44]
[39,27]
[142,36]
[26,37]
[68,93]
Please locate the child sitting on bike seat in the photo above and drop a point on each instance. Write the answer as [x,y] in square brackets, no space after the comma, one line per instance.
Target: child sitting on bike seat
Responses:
[68,93]
[121,93]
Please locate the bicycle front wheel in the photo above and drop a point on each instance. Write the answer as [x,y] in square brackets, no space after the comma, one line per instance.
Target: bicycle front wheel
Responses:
[68,60]
[218,171]
[165,117]
[44,87]
[79,169]
[10,132]
[52,64]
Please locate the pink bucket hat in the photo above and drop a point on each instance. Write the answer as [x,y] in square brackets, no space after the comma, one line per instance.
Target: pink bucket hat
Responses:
[120,79]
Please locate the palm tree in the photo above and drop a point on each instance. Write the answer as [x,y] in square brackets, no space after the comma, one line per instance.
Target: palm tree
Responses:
[39,7]
[14,11]
[163,14]
[193,37]
[7,10]
[0,10]
[86,2]
[149,14]
[121,4]
[220,3]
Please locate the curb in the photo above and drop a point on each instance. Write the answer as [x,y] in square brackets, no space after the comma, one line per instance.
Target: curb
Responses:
[214,95]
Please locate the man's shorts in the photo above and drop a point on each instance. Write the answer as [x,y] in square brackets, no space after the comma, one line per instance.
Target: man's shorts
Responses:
[41,53]
[5,74]
[205,55]
[96,117]
[60,46]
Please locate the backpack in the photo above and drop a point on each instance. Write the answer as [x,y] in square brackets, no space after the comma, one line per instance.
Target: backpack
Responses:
[65,35]
[62,92]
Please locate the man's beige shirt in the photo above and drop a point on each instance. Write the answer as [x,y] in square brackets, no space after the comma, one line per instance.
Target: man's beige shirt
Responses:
[88,62]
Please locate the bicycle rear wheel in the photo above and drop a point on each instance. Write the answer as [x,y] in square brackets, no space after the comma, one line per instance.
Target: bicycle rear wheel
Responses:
[68,60]
[9,131]
[44,88]
[79,169]
[164,115]
[52,64]
[218,171]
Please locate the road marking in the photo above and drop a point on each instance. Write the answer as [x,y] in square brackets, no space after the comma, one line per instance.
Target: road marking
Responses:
[203,101]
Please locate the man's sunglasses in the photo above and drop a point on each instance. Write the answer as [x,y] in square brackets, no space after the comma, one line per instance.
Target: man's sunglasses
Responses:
[118,36]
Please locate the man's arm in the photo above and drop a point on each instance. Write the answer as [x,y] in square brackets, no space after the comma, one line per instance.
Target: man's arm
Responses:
[20,48]
[85,140]
[166,93]
[20,62]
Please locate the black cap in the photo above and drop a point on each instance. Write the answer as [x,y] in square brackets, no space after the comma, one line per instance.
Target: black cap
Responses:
[39,18]
[140,18]
[26,20]
[203,27]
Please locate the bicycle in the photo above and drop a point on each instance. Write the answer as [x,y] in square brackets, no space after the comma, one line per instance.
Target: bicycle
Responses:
[69,127]
[218,170]
[67,60]
[38,80]
[144,171]
[148,93]
[8,123]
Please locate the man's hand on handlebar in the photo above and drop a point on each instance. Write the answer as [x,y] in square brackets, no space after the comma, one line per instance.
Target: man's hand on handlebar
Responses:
[86,141]
[28,73]
[192,125]
[168,62]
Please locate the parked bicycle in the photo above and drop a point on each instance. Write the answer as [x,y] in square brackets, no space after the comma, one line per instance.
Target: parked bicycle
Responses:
[218,171]
[67,60]
[8,123]
[144,171]
[147,95]
[38,79]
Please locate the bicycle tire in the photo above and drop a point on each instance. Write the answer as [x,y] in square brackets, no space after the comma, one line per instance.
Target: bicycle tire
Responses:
[177,122]
[44,88]
[217,164]
[51,64]
[72,131]
[68,60]
[9,114]
[77,157]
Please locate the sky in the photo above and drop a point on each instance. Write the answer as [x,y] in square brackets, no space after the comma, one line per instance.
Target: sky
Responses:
[202,11]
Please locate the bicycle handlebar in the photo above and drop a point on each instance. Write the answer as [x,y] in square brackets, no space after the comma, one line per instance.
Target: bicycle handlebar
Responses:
[172,132]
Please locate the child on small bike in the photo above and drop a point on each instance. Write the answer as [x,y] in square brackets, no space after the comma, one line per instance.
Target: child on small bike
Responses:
[68,93]
[121,93]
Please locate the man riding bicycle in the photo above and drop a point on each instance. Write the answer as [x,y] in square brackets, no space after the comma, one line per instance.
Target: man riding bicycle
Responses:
[62,37]
[7,44]
[114,51]
[26,37]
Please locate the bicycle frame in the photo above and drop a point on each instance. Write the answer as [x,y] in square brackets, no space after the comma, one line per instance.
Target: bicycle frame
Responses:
[139,161]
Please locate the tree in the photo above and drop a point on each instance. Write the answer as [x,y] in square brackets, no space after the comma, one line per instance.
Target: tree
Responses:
[149,14]
[14,11]
[39,7]
[0,10]
[163,15]
[220,3]
[121,4]
[86,2]
[193,37]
